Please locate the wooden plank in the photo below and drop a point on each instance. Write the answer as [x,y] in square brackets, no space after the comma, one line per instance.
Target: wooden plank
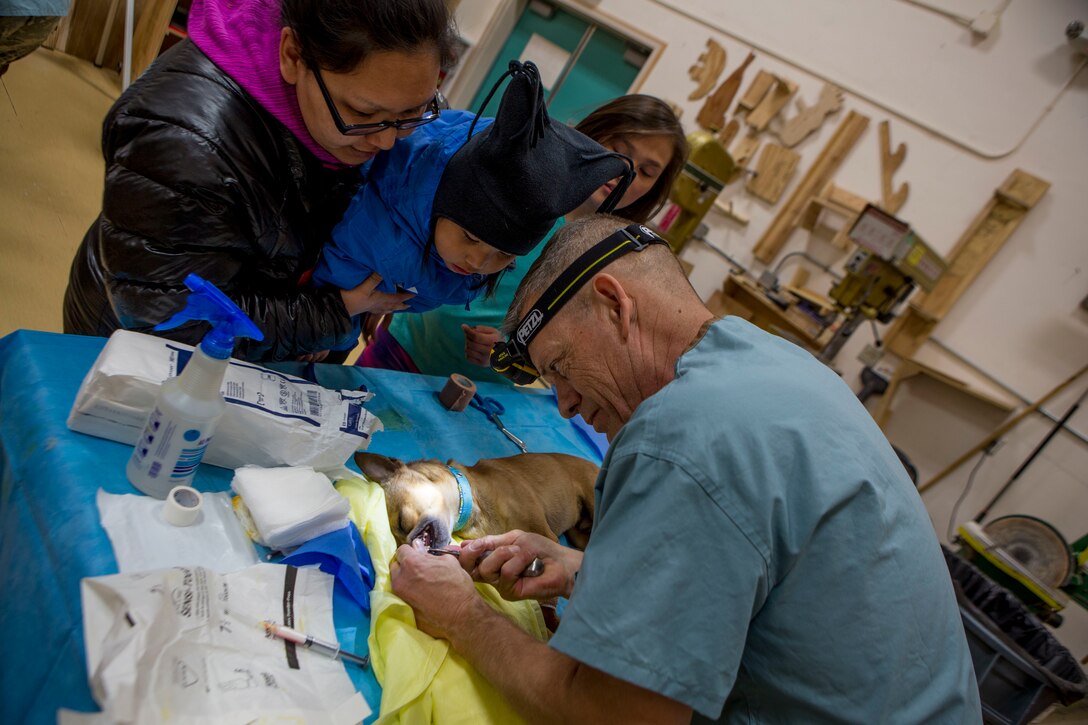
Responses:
[889,164]
[819,174]
[772,103]
[989,231]
[86,24]
[777,165]
[755,93]
[86,19]
[150,31]
[729,132]
[712,114]
[1022,189]
[810,118]
[742,153]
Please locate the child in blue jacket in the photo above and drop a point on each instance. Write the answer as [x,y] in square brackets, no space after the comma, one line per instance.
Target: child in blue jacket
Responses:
[447,209]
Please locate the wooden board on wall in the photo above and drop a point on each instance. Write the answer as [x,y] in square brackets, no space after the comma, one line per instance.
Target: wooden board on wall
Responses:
[821,171]
[755,93]
[975,248]
[87,20]
[774,170]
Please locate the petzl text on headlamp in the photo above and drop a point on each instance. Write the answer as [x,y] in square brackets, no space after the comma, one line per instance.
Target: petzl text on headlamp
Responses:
[511,358]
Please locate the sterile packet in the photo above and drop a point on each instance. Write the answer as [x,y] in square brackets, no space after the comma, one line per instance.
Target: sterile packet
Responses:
[186,645]
[271,420]
[143,540]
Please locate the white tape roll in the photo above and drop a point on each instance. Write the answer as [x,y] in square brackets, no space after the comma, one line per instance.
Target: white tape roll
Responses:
[182,506]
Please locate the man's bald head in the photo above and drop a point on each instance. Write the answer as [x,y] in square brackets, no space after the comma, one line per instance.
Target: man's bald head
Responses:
[653,268]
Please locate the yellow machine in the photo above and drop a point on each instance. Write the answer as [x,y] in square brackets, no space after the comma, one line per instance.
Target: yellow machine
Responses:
[705,174]
[889,261]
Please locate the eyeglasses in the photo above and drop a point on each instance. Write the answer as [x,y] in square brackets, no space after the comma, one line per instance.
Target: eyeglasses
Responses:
[365,129]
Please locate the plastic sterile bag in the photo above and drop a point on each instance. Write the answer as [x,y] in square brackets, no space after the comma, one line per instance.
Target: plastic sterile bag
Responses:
[186,645]
[271,419]
[143,540]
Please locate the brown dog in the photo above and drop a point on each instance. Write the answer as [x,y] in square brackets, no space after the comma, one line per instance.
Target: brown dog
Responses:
[545,493]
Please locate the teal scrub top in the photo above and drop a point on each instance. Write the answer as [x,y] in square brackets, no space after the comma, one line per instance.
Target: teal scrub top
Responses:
[434,339]
[760,554]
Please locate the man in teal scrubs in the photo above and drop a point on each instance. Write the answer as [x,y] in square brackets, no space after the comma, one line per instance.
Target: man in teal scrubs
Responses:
[759,554]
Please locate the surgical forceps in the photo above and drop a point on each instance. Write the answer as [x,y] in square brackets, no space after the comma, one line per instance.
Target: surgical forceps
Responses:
[535,568]
[493,409]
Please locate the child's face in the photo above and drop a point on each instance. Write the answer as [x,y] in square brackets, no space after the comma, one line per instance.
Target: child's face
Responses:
[465,254]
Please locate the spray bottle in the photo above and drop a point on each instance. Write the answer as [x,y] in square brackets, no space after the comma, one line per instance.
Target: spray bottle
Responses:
[189,405]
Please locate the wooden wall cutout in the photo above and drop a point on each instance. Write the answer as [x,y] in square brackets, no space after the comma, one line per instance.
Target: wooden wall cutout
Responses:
[729,132]
[810,118]
[707,68]
[712,114]
[889,164]
[756,91]
[772,103]
[742,153]
[821,171]
[776,167]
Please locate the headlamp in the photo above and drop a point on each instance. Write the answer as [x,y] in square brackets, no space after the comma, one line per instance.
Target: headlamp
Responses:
[511,358]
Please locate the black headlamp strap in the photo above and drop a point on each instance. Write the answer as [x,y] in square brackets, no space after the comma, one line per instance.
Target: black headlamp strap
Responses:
[632,238]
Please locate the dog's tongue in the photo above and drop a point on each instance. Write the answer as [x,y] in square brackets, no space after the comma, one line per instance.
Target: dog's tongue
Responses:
[425,538]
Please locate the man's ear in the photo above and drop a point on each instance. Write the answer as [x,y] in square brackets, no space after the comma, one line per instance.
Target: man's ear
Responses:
[291,63]
[609,292]
[376,467]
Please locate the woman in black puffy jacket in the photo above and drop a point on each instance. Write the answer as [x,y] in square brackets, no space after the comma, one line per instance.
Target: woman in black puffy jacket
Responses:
[235,154]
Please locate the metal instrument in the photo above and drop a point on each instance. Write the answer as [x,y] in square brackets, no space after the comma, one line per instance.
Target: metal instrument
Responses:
[536,568]
[493,409]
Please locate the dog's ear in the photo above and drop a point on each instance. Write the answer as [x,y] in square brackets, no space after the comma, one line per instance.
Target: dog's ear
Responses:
[376,467]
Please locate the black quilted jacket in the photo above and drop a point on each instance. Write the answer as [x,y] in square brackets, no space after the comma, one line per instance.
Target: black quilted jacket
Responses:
[200,178]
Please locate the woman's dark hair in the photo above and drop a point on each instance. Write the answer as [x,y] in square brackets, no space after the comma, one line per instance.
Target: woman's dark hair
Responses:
[337,35]
[639,115]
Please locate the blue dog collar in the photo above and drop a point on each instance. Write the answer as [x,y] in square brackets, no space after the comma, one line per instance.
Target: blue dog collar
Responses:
[464,499]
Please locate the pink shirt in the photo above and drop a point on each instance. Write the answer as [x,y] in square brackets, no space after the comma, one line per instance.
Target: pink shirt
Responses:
[243,38]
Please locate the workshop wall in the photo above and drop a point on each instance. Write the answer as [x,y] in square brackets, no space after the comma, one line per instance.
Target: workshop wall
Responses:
[1019,322]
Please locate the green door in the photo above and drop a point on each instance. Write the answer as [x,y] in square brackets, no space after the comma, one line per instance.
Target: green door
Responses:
[582,64]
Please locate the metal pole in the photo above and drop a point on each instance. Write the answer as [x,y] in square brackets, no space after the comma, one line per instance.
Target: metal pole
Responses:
[569,65]
[1038,449]
[126,62]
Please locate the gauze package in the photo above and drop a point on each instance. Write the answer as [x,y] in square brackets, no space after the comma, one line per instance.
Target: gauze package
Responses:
[290,505]
[186,645]
[142,539]
[272,419]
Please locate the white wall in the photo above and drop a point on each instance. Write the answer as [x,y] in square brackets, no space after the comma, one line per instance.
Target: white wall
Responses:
[1019,321]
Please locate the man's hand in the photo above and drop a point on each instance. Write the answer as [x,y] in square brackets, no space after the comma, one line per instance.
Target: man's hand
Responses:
[313,356]
[439,591]
[501,560]
[479,340]
[366,298]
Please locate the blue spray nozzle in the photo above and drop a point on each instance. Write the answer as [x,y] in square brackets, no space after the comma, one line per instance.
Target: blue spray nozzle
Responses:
[228,321]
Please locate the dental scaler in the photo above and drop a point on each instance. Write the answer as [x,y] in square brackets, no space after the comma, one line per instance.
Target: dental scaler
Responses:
[189,405]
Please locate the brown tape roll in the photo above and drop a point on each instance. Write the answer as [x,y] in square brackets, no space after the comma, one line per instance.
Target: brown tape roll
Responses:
[457,392]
